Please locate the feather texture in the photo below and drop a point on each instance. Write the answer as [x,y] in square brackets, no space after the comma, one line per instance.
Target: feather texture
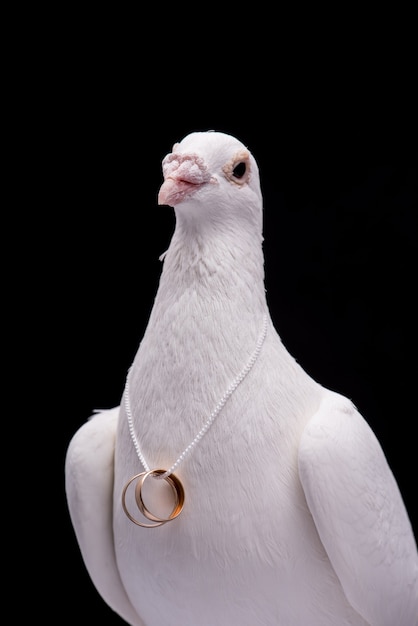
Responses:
[292,515]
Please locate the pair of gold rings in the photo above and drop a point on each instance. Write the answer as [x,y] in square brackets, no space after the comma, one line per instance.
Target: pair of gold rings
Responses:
[174,483]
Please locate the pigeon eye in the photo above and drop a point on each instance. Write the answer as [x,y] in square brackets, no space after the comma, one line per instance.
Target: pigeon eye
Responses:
[239,170]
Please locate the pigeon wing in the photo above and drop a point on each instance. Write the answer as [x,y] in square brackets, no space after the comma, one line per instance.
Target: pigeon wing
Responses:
[89,473]
[359,514]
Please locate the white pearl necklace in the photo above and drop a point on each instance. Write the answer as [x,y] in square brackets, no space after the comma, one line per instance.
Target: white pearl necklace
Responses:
[168,474]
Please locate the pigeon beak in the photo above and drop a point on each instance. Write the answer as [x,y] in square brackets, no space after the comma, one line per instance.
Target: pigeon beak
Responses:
[184,174]
[174,190]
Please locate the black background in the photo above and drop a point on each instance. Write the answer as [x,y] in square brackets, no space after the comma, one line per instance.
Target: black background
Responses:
[335,141]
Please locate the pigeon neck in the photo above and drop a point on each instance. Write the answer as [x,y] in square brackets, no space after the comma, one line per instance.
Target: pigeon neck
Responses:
[222,265]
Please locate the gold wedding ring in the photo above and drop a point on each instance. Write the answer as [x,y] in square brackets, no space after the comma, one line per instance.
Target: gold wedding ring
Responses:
[174,483]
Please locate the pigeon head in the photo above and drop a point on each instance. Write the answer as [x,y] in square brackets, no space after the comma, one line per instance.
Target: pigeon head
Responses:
[211,175]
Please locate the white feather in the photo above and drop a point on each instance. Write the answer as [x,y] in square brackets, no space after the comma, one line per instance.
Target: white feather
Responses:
[359,513]
[89,475]
[292,516]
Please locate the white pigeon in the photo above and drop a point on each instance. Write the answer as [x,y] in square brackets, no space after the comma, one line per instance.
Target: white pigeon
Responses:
[230,488]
